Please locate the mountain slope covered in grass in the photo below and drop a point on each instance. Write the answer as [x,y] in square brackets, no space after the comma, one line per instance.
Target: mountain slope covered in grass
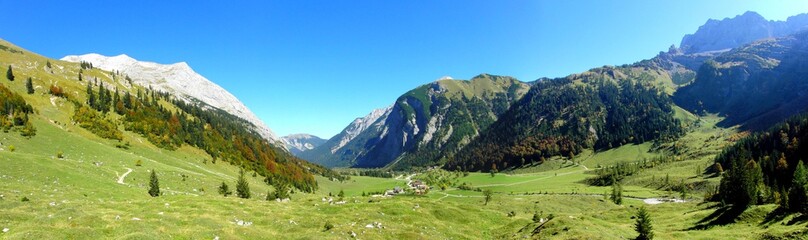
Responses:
[111,107]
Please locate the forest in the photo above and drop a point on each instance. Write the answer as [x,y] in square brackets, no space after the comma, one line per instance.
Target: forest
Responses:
[767,167]
[169,123]
[602,109]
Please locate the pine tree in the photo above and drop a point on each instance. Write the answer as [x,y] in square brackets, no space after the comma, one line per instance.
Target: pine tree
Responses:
[798,196]
[643,225]
[90,96]
[154,184]
[224,190]
[10,74]
[617,192]
[242,187]
[29,86]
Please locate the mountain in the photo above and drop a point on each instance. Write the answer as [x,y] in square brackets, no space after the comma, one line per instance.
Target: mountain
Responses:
[299,143]
[179,80]
[729,33]
[755,85]
[425,126]
[602,108]
[89,114]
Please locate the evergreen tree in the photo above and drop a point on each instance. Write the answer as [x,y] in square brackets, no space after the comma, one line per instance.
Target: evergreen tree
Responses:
[224,190]
[29,86]
[90,96]
[242,187]
[643,225]
[154,184]
[617,192]
[10,74]
[798,196]
[341,194]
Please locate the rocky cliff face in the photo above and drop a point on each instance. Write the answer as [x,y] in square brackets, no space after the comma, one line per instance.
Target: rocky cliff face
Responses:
[755,85]
[424,126]
[181,81]
[719,35]
[299,143]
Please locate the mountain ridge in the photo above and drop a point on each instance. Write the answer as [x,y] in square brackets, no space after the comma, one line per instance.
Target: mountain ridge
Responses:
[180,80]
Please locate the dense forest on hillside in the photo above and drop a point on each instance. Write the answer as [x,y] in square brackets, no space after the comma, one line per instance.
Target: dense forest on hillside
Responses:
[603,108]
[764,167]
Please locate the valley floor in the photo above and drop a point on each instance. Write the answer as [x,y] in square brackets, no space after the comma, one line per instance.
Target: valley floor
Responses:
[97,191]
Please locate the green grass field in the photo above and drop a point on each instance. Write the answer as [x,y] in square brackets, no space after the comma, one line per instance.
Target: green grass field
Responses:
[83,194]
[73,198]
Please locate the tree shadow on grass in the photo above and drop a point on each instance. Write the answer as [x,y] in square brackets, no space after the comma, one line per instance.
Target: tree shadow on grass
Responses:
[721,216]
[775,216]
[798,219]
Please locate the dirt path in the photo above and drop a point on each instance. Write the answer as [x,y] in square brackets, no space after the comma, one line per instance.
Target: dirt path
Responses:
[120,179]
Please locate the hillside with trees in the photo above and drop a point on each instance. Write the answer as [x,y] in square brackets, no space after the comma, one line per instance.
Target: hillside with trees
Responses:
[767,167]
[602,108]
[755,85]
[108,102]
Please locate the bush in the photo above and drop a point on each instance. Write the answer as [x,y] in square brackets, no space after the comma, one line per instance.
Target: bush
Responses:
[327,226]
[60,154]
[11,148]
[224,190]
[139,163]
[57,91]
[25,199]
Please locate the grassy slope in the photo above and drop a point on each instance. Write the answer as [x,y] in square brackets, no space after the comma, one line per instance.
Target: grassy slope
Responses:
[73,198]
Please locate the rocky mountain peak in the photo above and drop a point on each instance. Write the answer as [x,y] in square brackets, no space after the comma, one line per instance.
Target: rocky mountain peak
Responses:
[180,80]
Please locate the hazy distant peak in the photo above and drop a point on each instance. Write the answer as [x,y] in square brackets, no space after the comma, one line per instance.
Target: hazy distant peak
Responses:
[742,29]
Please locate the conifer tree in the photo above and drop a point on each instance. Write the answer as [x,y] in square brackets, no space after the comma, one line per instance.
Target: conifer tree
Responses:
[224,190]
[643,225]
[617,192]
[10,73]
[154,184]
[29,86]
[242,187]
[798,196]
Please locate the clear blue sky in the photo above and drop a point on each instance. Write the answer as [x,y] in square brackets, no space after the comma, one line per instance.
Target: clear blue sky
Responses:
[314,66]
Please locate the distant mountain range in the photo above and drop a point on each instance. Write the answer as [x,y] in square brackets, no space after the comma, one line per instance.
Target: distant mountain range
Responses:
[299,143]
[716,35]
[755,85]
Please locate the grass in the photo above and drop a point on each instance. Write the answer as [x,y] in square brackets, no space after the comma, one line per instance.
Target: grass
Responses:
[78,197]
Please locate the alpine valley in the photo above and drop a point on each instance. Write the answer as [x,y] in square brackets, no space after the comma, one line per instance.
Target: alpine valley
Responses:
[702,141]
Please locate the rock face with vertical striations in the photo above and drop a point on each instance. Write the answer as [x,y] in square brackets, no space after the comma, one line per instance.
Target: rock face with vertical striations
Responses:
[424,127]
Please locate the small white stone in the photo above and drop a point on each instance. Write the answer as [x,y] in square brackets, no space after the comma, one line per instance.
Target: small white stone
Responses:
[5,230]
[135,219]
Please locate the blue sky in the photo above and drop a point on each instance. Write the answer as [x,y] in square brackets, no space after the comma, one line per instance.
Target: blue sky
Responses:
[314,66]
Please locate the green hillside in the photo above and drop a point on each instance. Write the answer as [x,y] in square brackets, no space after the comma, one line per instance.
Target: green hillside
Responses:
[426,125]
